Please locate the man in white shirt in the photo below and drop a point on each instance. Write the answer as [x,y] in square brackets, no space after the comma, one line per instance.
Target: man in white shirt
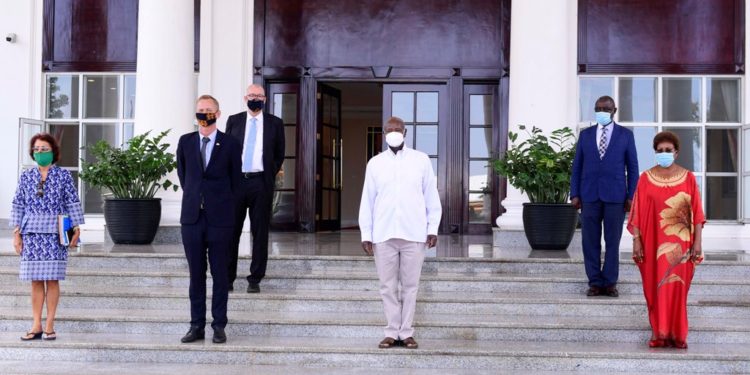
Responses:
[399,217]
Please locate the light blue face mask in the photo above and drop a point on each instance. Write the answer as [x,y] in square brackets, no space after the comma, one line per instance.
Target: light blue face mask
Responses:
[664,159]
[603,118]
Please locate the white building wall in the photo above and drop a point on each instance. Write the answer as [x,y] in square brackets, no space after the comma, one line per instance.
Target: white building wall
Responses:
[226,53]
[20,85]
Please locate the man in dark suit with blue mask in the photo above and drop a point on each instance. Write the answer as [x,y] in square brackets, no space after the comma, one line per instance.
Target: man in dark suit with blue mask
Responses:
[208,165]
[604,178]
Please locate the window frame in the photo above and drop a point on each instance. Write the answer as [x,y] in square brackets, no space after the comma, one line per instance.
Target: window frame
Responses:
[120,122]
[704,125]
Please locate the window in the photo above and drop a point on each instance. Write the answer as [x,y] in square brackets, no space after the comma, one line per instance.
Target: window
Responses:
[82,109]
[703,111]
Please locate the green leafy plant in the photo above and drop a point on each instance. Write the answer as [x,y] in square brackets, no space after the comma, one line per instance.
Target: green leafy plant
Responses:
[539,166]
[135,171]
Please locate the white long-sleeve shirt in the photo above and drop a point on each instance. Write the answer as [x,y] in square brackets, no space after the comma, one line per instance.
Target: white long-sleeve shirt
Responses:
[400,197]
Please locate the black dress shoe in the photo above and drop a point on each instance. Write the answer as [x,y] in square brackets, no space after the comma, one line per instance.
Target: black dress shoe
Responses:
[194,334]
[219,336]
[253,288]
[594,291]
[611,291]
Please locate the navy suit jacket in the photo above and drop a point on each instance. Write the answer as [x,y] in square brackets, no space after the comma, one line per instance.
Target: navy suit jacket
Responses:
[605,179]
[273,143]
[216,186]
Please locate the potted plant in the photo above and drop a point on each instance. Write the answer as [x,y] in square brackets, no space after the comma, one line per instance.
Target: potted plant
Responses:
[540,166]
[132,174]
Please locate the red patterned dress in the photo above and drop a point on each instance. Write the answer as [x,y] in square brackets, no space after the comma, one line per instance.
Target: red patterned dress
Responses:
[665,211]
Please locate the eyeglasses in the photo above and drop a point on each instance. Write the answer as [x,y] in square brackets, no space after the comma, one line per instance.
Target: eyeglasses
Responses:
[40,189]
[41,149]
[256,96]
[604,109]
[664,150]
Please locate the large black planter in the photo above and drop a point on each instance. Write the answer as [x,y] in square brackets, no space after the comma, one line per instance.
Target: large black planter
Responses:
[132,221]
[549,226]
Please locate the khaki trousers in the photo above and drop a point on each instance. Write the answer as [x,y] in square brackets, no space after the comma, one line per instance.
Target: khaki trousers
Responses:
[399,261]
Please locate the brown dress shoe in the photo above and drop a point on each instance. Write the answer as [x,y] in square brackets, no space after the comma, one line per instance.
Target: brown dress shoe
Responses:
[387,342]
[410,343]
[594,291]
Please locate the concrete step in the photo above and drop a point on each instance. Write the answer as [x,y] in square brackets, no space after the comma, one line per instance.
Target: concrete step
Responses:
[301,263]
[552,283]
[367,302]
[443,356]
[364,325]
[135,368]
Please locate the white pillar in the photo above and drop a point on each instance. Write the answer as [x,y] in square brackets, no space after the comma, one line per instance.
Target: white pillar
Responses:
[165,80]
[543,77]
[226,53]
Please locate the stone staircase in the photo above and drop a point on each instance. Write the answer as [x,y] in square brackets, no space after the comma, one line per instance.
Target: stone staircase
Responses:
[125,313]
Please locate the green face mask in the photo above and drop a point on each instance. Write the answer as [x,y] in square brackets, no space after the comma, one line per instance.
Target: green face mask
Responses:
[43,158]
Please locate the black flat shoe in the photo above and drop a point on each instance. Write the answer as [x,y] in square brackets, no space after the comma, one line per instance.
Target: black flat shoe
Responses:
[219,336]
[32,336]
[253,288]
[194,334]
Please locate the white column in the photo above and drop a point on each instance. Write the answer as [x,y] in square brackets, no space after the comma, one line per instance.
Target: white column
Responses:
[226,53]
[543,77]
[165,81]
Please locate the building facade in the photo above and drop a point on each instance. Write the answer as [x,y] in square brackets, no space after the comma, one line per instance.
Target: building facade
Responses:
[461,74]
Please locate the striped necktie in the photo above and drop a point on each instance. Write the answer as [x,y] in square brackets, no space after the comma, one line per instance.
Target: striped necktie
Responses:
[603,142]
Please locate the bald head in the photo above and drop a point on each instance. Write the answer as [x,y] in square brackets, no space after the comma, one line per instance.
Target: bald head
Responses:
[255,89]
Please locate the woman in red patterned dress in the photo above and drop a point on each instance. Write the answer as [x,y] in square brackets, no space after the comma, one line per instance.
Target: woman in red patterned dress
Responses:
[666,222]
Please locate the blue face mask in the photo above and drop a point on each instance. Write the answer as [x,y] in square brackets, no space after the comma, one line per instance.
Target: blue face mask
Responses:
[664,159]
[603,118]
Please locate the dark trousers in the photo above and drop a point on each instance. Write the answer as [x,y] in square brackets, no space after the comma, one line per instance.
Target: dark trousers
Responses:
[202,240]
[613,217]
[255,197]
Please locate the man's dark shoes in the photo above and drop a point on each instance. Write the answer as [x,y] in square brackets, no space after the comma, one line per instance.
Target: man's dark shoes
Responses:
[219,336]
[194,334]
[253,287]
[611,291]
[387,342]
[594,291]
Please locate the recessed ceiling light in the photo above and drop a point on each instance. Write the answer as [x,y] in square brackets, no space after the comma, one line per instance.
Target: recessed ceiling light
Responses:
[91,80]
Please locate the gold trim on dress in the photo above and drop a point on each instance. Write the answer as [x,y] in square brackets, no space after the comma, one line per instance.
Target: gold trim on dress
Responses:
[667,182]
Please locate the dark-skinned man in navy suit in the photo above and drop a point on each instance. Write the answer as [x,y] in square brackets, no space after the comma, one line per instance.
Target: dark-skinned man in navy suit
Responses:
[605,174]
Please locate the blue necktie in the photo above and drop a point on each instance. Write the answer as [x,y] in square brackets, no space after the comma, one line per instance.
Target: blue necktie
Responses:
[250,145]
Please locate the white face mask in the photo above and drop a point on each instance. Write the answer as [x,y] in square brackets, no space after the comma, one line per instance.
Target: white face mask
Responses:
[394,139]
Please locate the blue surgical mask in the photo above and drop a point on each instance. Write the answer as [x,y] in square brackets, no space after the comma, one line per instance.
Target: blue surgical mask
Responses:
[603,118]
[664,159]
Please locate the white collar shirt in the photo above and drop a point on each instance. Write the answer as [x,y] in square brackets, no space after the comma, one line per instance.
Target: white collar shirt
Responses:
[400,197]
[256,165]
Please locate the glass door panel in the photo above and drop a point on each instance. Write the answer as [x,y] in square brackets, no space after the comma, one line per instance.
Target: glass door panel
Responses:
[329,158]
[283,102]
